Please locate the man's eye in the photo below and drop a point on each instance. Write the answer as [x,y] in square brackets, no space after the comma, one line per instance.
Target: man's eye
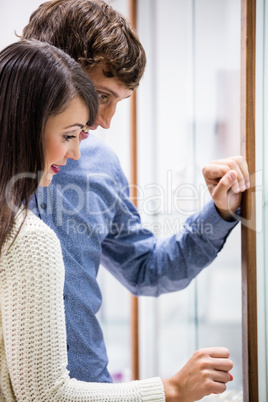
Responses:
[102,98]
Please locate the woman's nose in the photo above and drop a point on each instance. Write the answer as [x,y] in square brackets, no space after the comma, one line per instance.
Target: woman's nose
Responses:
[74,152]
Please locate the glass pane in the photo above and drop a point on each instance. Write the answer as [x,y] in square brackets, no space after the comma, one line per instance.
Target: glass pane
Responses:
[217,66]
[189,112]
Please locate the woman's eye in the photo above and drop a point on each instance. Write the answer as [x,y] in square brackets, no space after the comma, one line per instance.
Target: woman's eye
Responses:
[68,137]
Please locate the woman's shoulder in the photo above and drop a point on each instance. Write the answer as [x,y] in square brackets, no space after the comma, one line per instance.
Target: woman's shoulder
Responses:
[30,243]
[31,223]
[27,224]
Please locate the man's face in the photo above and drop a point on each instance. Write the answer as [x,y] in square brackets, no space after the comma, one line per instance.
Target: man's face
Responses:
[110,92]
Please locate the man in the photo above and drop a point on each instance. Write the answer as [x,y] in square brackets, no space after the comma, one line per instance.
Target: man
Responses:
[88,205]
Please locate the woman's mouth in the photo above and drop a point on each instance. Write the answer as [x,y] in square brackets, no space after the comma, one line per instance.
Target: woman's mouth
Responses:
[55,168]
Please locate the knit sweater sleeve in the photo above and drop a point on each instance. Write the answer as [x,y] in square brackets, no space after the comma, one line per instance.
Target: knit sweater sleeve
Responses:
[34,336]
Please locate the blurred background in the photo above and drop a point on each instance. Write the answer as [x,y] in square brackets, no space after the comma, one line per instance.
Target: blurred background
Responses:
[188,114]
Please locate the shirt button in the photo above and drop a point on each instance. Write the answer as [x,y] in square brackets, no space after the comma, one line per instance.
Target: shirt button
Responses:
[43,206]
[68,347]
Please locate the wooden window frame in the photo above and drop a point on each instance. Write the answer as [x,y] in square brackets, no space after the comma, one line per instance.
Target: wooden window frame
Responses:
[248,232]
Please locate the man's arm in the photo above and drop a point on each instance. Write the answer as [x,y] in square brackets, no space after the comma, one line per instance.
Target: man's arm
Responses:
[150,266]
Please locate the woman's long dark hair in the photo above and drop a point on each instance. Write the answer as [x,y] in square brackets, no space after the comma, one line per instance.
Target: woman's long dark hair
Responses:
[37,80]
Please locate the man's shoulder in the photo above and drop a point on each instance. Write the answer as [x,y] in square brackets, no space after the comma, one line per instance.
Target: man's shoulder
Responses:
[96,157]
[95,148]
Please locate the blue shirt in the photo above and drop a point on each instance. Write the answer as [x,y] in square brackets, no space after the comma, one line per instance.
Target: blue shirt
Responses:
[87,205]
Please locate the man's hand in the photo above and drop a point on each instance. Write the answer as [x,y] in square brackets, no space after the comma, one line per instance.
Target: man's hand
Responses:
[205,373]
[226,180]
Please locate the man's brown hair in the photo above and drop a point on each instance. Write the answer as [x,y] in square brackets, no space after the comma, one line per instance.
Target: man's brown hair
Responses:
[90,31]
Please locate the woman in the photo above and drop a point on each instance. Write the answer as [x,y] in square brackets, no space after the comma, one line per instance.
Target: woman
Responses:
[46,103]
[46,100]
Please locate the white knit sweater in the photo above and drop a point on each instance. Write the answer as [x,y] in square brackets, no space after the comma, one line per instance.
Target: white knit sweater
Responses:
[33,355]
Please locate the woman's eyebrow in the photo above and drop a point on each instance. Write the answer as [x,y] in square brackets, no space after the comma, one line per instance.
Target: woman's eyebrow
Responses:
[75,124]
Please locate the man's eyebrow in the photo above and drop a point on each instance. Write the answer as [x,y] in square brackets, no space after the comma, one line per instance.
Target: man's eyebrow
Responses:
[100,87]
[110,91]
[74,125]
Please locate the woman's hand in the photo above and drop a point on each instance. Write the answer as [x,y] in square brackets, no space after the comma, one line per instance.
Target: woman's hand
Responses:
[205,373]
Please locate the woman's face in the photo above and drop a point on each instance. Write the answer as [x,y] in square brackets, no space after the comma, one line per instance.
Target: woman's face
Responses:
[62,137]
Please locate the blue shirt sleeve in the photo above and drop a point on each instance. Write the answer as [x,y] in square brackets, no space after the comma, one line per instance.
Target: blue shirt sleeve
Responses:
[150,266]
